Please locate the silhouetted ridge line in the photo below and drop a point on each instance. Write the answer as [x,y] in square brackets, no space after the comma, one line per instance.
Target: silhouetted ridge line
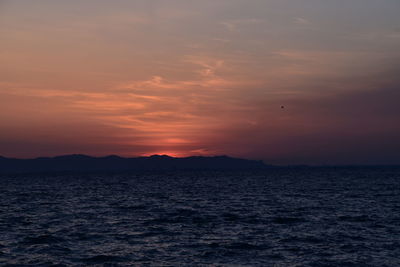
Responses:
[84,163]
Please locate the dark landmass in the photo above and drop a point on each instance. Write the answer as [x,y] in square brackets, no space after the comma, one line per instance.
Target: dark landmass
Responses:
[83,163]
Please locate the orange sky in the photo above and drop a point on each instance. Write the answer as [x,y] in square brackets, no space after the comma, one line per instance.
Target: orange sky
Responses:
[202,78]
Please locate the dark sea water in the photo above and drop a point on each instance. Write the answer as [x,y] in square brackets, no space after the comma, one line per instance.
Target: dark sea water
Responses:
[342,217]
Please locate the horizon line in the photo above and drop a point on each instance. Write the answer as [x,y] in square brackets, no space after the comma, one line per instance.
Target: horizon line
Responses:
[203,156]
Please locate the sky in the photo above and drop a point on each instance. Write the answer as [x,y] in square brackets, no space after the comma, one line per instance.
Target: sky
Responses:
[209,77]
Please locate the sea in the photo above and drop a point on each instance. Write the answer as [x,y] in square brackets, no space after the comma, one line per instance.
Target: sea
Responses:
[278,217]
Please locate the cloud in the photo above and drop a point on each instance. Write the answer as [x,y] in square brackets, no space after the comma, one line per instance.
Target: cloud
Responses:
[302,21]
[139,77]
[237,24]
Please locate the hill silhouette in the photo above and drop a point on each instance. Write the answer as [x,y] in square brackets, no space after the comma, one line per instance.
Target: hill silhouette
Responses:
[115,163]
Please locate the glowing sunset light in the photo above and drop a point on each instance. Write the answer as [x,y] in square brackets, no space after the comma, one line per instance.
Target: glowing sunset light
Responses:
[202,78]
[165,153]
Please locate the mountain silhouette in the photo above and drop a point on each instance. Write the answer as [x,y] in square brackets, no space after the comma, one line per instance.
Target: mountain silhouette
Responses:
[115,163]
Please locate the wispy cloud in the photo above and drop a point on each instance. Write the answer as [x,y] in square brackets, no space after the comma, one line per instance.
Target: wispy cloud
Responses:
[302,21]
[237,24]
[202,77]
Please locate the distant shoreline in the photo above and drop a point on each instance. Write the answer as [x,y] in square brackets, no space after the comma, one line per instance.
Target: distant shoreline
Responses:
[84,163]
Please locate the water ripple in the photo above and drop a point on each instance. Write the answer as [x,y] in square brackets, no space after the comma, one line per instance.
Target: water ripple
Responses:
[271,218]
